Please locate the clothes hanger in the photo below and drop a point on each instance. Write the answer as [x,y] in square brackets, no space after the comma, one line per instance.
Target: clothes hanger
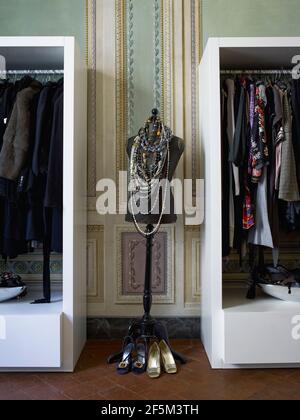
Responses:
[281,82]
[267,81]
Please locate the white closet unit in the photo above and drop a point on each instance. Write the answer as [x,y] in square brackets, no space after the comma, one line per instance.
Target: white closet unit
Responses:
[236,332]
[51,337]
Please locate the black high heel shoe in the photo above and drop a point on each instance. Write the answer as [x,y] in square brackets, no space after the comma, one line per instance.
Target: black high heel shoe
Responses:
[139,364]
[124,367]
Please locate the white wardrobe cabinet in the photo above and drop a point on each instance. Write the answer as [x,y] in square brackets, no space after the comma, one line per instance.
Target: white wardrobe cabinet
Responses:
[236,332]
[51,337]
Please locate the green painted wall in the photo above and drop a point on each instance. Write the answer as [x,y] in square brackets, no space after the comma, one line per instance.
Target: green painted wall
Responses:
[250,18]
[43,17]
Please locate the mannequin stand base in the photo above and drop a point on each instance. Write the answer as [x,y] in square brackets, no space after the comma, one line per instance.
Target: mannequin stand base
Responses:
[148,329]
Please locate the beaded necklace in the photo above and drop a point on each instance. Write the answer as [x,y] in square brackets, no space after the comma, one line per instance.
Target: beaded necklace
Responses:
[146,179]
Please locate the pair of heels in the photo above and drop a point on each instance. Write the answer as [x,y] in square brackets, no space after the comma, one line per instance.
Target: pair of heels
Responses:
[134,358]
[160,354]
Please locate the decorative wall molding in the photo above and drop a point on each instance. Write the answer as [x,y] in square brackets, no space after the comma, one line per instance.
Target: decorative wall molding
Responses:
[134,260]
[95,228]
[157,38]
[92,95]
[192,55]
[30,266]
[129,46]
[121,87]
[95,268]
[192,267]
[92,271]
[192,229]
[168,295]
[167,27]
[196,287]
[195,55]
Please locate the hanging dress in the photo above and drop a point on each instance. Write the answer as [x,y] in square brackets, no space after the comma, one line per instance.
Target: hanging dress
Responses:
[261,233]
[233,171]
[288,186]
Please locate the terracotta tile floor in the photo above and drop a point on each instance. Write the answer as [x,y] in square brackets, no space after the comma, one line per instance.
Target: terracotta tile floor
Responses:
[94,380]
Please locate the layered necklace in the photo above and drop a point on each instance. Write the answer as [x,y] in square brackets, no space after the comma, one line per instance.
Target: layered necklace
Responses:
[149,165]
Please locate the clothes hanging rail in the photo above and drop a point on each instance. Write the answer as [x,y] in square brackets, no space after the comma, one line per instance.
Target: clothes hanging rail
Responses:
[279,71]
[31,72]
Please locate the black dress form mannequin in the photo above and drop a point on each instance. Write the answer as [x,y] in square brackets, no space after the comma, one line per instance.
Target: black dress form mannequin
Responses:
[176,151]
[147,327]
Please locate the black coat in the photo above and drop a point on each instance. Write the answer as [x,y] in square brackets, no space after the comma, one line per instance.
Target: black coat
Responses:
[31,206]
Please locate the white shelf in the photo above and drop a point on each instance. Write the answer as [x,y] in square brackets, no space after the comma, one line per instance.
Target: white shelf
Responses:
[24,307]
[259,332]
[31,335]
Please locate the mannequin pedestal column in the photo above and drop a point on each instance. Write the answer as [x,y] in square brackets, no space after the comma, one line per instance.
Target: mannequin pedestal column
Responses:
[148,328]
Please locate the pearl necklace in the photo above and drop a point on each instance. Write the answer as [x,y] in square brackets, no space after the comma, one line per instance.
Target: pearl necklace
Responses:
[144,179]
[157,227]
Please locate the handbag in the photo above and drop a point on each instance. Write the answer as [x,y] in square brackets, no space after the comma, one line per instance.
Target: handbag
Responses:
[11,287]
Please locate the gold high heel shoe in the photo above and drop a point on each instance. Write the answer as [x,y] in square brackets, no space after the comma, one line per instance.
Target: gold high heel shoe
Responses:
[167,358]
[154,369]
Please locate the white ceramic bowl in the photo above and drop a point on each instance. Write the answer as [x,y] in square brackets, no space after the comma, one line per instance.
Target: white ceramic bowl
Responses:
[282,292]
[10,293]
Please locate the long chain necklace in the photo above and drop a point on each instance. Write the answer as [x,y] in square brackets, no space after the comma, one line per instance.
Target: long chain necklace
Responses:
[145,180]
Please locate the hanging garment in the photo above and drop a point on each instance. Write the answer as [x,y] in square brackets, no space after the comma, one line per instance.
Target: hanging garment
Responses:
[274,178]
[7,188]
[248,205]
[295,99]
[259,160]
[31,161]
[35,225]
[13,222]
[225,173]
[238,147]
[54,186]
[16,140]
[22,201]
[291,216]
[269,177]
[269,124]
[54,193]
[39,164]
[13,204]
[278,135]
[233,170]
[259,153]
[274,144]
[288,186]
[278,100]
[38,169]
[231,129]
[269,120]
[43,129]
[261,233]
[6,104]
[237,157]
[279,139]
[248,211]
